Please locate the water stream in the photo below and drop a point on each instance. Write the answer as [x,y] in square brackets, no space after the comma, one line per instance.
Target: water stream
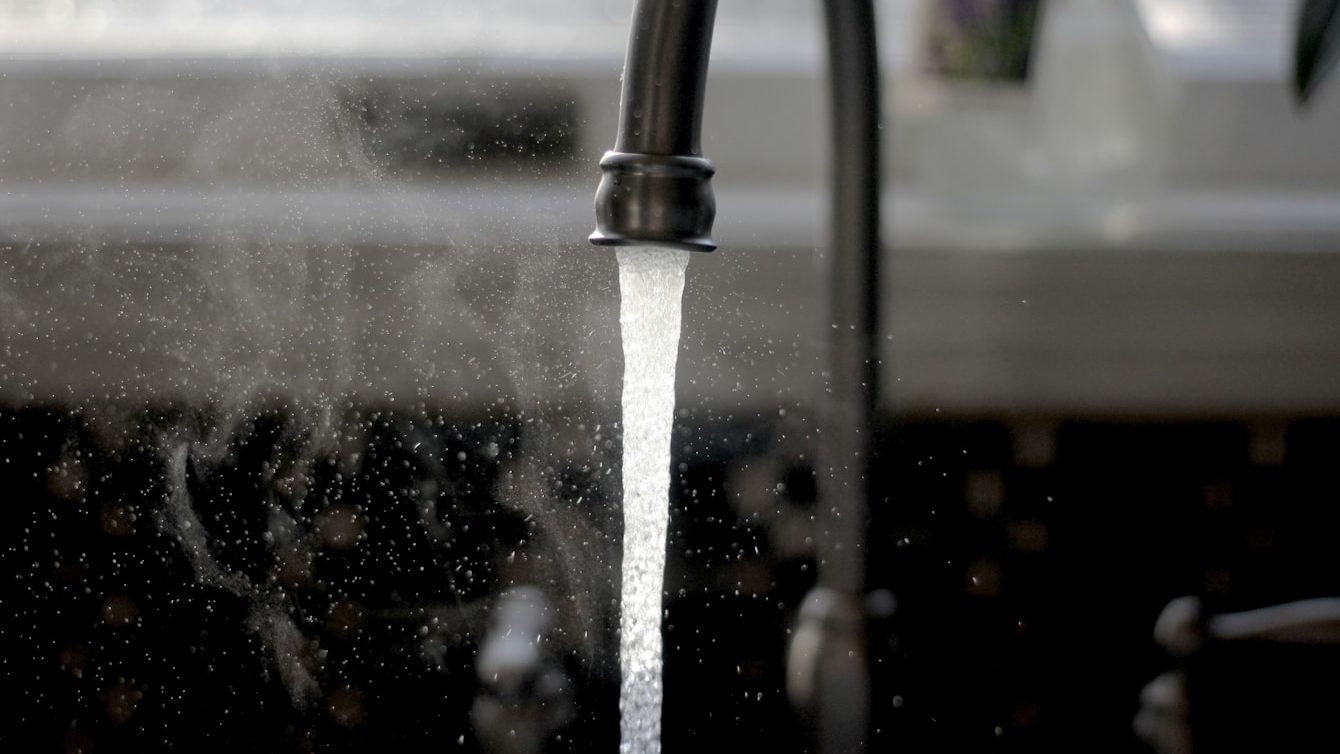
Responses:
[651,282]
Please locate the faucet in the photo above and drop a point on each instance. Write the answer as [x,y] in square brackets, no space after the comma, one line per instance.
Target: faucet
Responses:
[655,191]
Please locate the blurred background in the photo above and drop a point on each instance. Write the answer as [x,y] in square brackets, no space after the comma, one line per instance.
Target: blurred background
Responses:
[308,373]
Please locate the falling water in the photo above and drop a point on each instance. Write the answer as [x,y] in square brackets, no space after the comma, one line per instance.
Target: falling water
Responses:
[652,284]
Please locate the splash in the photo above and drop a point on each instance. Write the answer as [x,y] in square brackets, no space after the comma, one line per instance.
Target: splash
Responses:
[651,282]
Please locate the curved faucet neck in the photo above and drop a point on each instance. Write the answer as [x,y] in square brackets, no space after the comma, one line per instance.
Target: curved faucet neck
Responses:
[665,76]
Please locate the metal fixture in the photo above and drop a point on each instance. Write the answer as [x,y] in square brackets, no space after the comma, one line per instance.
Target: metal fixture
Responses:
[1211,701]
[655,191]
[656,188]
[525,696]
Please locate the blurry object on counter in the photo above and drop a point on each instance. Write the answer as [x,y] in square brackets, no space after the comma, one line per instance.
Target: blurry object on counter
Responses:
[983,39]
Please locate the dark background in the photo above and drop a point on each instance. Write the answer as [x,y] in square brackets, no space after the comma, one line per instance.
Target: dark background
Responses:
[1017,566]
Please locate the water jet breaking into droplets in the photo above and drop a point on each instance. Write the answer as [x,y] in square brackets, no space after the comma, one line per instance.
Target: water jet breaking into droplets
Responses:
[651,283]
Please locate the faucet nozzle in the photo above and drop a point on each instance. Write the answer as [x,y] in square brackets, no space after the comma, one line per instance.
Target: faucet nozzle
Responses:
[656,189]
[655,200]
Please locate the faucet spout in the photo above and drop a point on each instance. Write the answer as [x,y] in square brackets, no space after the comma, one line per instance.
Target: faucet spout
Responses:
[655,191]
[656,185]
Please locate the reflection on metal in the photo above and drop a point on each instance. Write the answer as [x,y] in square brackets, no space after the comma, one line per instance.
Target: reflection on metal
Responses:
[525,696]
[1192,708]
[826,674]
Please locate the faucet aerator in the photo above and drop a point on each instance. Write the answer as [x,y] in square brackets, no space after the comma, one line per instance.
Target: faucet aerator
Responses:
[655,200]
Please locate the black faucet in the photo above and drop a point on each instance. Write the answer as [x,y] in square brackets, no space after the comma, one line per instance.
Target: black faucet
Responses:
[656,191]
[656,188]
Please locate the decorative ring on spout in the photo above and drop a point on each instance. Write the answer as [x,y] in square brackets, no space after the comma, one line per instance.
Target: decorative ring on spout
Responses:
[655,200]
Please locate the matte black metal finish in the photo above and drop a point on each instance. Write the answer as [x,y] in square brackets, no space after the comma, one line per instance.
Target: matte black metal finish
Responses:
[840,714]
[656,188]
[851,263]
[655,200]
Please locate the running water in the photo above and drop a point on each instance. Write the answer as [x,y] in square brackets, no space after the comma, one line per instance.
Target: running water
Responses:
[652,285]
